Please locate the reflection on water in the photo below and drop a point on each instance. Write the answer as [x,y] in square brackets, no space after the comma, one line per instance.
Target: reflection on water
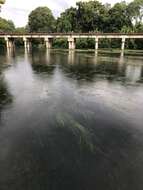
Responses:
[5,96]
[71,56]
[133,73]
[71,120]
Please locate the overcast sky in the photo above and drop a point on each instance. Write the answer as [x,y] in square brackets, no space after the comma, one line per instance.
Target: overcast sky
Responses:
[18,10]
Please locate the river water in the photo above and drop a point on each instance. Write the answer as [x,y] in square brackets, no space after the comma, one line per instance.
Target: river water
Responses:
[71,121]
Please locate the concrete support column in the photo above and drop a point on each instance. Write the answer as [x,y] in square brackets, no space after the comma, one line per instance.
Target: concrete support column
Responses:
[27,43]
[71,42]
[48,43]
[9,43]
[96,43]
[123,44]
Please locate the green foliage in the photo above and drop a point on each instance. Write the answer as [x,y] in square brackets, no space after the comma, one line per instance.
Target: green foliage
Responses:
[20,30]
[110,43]
[67,21]
[2,1]
[60,43]
[86,43]
[41,20]
[87,16]
[6,25]
[135,11]
[118,17]
[91,16]
[105,43]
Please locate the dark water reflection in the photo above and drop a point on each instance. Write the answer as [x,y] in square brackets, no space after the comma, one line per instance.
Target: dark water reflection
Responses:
[71,120]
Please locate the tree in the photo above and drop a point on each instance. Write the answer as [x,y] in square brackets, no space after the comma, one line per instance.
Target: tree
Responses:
[118,17]
[91,16]
[6,25]
[21,30]
[41,20]
[67,21]
[1,2]
[87,16]
[135,10]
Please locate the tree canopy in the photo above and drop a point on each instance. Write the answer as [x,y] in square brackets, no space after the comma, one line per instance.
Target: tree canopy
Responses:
[91,16]
[88,17]
[67,21]
[6,25]
[2,1]
[135,11]
[118,17]
[94,16]
[41,20]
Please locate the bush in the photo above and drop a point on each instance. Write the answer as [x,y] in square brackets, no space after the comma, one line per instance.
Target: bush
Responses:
[60,43]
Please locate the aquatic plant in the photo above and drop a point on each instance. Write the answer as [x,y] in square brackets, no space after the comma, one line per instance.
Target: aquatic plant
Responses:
[81,134]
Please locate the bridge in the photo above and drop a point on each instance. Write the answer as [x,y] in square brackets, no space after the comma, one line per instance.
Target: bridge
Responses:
[71,38]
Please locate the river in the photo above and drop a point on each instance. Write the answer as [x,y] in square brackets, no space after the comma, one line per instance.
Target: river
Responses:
[71,120]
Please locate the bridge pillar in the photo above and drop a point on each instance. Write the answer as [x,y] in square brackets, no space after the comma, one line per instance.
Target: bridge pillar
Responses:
[123,44]
[71,42]
[48,43]
[96,43]
[27,43]
[9,43]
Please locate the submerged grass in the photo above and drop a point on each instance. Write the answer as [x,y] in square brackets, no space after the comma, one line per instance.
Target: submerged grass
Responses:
[81,134]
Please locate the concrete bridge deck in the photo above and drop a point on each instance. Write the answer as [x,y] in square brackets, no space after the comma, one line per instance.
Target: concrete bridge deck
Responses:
[71,37]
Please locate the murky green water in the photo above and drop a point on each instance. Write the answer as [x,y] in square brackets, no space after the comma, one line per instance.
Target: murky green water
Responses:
[71,121]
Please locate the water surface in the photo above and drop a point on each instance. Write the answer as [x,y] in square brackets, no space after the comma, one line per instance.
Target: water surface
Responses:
[71,120]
